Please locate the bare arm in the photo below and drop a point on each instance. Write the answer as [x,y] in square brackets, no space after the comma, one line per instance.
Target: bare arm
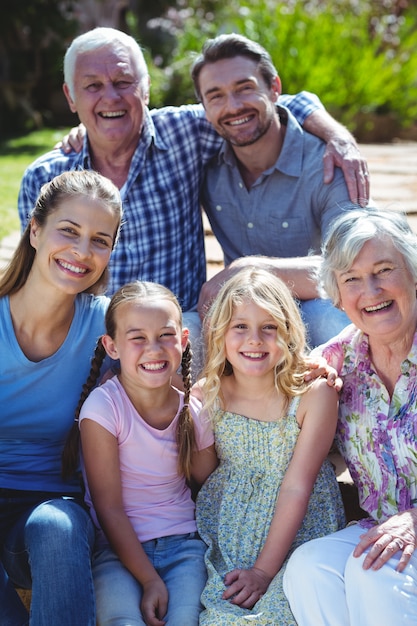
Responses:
[203,463]
[296,272]
[101,458]
[318,412]
[342,151]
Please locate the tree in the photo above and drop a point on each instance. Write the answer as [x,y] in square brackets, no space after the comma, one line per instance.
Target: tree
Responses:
[34,35]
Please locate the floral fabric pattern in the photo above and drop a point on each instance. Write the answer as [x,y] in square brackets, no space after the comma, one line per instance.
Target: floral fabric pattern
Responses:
[376,435]
[236,505]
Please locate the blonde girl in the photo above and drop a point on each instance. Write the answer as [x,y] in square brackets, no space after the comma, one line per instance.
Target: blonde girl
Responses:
[142,439]
[273,488]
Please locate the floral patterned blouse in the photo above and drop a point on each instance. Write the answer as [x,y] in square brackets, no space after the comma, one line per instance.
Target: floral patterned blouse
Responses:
[376,435]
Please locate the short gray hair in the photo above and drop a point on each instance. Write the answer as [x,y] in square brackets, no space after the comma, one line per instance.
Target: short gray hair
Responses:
[99,38]
[347,236]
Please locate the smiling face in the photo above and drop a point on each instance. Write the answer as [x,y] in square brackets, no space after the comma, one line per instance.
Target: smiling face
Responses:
[74,245]
[378,292]
[148,341]
[237,100]
[109,95]
[251,341]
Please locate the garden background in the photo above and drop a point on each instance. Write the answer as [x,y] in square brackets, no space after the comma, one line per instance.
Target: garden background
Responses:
[359,56]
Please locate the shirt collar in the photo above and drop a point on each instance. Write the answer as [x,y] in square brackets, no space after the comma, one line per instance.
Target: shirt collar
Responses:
[359,345]
[148,135]
[412,356]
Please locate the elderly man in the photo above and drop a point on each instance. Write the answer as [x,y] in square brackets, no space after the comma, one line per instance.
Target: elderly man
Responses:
[156,158]
[263,191]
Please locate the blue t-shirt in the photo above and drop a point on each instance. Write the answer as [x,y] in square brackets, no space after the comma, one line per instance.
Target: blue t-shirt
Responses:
[38,399]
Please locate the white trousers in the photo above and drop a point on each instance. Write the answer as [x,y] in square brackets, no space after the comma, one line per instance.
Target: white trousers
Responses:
[327,586]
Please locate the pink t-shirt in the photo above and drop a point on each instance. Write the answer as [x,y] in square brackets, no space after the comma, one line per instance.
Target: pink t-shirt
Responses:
[156,499]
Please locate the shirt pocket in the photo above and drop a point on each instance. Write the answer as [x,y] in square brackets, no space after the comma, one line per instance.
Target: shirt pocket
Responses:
[292,236]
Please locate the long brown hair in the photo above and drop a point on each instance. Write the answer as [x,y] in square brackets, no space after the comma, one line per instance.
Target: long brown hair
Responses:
[134,292]
[67,185]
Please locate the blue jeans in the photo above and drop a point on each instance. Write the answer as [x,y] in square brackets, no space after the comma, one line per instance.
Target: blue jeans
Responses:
[178,559]
[323,321]
[46,546]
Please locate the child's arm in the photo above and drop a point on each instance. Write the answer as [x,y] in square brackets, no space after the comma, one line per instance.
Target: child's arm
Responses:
[317,416]
[101,459]
[203,463]
[197,390]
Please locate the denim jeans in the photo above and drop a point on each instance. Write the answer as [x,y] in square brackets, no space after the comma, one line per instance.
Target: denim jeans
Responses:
[46,546]
[178,559]
[323,321]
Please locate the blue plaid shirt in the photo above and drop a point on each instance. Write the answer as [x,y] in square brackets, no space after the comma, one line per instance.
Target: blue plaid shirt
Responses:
[162,237]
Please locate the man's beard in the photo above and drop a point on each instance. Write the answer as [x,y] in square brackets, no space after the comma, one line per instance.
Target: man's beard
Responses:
[257,134]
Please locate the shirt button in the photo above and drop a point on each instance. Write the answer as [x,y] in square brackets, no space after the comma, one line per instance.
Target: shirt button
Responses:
[241,185]
[250,225]
[218,207]
[285,224]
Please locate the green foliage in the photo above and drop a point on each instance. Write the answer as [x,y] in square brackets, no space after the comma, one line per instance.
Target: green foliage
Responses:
[358,56]
[330,51]
[15,155]
[33,37]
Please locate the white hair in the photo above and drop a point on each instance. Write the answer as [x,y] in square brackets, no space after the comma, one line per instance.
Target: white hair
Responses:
[99,38]
[349,233]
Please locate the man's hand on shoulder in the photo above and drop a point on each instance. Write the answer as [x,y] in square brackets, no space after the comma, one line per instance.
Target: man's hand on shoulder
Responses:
[73,141]
[341,151]
[344,152]
[211,288]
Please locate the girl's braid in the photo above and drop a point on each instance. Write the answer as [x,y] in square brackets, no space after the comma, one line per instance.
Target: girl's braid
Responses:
[70,454]
[185,427]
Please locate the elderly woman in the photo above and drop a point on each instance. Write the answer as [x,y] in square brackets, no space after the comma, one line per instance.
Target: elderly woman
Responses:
[358,576]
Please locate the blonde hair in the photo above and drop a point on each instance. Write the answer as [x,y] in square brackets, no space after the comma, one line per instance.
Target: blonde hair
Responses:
[84,183]
[268,292]
[136,292]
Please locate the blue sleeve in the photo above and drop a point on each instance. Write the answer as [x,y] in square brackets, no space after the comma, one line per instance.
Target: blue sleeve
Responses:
[41,171]
[301,105]
[28,194]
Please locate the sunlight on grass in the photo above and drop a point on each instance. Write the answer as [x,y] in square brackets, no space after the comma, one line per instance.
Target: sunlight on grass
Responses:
[15,155]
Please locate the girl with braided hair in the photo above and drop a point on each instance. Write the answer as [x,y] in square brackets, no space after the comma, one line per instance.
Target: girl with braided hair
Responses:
[142,441]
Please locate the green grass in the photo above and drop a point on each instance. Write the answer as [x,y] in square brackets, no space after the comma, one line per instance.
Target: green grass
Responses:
[15,155]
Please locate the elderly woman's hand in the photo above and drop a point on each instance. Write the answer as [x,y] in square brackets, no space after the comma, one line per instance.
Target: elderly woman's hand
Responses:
[399,532]
[319,368]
